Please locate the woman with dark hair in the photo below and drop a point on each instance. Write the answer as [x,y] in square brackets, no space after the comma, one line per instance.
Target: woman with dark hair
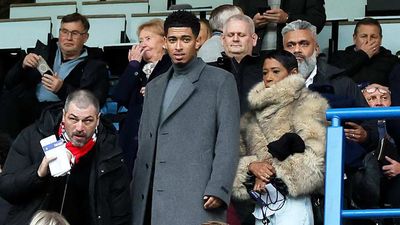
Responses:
[147,60]
[282,145]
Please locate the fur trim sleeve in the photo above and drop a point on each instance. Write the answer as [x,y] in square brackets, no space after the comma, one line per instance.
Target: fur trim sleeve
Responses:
[303,173]
[239,191]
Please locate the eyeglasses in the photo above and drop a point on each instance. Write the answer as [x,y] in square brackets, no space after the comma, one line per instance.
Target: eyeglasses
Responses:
[75,34]
[374,89]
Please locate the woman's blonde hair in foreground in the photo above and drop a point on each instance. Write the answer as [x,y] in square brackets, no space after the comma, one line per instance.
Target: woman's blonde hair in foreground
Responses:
[48,218]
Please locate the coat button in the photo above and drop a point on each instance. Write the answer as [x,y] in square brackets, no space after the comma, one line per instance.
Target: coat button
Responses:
[147,166]
[98,217]
[151,135]
[102,171]
[142,197]
[136,73]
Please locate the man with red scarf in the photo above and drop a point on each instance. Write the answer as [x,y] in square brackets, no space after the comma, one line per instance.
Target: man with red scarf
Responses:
[95,190]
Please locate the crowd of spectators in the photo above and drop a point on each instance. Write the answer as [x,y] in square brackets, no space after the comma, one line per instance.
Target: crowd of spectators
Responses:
[225,121]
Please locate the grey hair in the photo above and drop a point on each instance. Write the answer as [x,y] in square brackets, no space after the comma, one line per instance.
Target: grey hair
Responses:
[220,14]
[48,218]
[300,25]
[243,18]
[82,99]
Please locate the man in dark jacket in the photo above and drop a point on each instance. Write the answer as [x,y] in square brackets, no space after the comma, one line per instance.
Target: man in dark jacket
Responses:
[300,38]
[95,191]
[269,22]
[366,61]
[238,40]
[71,66]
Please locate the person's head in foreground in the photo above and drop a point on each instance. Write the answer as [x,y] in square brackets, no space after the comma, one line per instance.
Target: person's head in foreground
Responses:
[48,218]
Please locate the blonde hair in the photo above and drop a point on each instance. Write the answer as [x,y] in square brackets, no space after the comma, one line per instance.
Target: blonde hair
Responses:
[48,218]
[156,25]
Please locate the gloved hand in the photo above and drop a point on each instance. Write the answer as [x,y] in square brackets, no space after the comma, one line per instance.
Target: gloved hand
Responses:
[280,185]
[250,180]
[288,144]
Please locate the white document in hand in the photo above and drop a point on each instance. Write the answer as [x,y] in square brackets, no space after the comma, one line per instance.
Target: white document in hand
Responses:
[52,147]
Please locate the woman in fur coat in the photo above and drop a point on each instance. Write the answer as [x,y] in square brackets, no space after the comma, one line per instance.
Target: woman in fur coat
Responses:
[282,145]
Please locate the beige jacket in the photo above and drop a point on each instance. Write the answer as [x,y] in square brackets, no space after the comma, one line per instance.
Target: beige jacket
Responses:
[287,106]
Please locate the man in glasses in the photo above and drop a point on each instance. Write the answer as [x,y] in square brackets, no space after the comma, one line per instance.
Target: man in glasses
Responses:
[31,85]
[377,95]
[380,96]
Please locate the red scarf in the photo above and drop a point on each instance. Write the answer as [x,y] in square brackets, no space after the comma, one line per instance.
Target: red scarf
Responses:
[77,152]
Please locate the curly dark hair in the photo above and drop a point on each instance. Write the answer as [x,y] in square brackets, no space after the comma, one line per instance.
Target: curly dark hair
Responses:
[182,18]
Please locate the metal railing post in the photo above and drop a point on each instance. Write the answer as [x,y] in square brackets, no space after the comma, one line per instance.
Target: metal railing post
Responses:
[334,164]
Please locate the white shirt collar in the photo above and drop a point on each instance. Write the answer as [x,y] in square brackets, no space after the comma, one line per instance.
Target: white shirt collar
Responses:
[310,78]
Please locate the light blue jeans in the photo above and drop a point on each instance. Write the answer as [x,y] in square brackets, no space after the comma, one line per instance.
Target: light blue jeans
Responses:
[295,211]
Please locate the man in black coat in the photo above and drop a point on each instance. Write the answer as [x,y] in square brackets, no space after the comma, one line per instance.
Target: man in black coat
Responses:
[300,38]
[71,66]
[278,16]
[96,188]
[238,40]
[366,61]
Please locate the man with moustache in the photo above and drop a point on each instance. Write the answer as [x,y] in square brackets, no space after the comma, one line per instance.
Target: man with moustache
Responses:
[300,38]
[188,136]
[94,191]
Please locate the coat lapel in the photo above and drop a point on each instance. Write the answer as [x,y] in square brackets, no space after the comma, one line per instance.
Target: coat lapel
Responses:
[156,96]
[186,89]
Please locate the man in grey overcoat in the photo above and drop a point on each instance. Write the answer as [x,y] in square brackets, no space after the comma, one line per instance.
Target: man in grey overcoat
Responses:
[188,136]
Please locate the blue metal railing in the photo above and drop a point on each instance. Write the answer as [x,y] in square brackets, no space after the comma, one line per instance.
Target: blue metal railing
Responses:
[334,164]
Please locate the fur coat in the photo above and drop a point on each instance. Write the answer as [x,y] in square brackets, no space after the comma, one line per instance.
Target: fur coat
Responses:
[287,106]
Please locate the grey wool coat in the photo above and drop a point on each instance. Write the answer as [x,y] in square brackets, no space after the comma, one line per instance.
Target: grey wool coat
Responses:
[287,106]
[194,150]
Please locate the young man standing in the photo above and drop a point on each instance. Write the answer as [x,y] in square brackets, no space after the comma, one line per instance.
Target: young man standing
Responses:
[188,136]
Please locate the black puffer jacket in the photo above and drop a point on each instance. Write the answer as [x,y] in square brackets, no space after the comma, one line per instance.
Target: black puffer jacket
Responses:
[109,198]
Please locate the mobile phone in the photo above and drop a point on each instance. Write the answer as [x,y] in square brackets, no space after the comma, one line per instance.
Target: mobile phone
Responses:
[43,68]
[262,10]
